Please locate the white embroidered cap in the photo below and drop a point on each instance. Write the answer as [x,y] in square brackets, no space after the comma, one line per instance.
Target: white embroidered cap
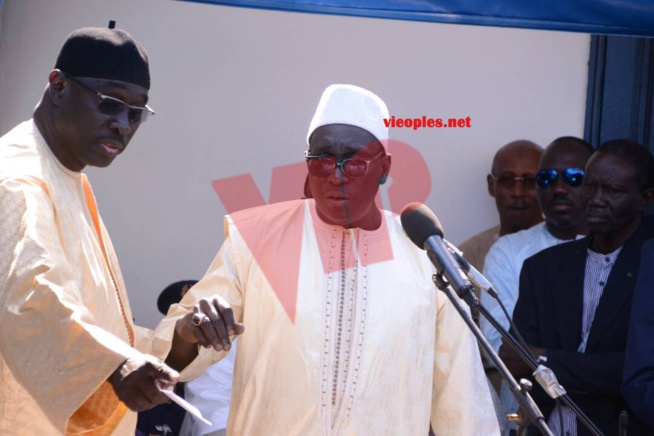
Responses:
[353,105]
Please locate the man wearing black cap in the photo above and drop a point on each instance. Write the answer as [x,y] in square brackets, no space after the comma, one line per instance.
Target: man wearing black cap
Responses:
[69,360]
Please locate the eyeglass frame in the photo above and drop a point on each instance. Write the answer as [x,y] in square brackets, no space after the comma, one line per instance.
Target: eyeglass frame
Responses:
[561,175]
[144,109]
[526,181]
[308,157]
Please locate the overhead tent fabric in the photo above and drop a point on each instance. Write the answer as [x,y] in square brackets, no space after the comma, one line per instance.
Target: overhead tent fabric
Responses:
[610,17]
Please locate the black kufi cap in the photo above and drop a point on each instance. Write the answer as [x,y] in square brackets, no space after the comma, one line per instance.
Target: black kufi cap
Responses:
[104,54]
[173,294]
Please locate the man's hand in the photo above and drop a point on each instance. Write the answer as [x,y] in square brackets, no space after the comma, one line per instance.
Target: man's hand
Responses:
[134,381]
[210,324]
[514,362]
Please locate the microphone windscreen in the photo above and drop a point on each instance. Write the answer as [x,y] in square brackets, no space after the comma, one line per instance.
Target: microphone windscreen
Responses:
[419,223]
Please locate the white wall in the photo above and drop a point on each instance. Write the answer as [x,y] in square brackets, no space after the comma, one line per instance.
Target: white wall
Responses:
[234,91]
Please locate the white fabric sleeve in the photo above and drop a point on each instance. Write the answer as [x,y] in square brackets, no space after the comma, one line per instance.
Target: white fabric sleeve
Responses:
[500,272]
[211,393]
[221,280]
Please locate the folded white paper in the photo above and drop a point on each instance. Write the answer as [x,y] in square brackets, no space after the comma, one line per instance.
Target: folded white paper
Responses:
[190,408]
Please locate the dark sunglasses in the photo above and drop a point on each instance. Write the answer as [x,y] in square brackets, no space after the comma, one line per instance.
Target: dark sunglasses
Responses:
[113,106]
[511,181]
[571,177]
[325,164]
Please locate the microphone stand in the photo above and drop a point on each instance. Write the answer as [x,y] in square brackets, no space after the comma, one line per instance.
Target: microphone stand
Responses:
[519,390]
[545,377]
[548,375]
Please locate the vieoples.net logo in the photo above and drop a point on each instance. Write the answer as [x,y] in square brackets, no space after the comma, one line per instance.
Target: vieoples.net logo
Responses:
[425,122]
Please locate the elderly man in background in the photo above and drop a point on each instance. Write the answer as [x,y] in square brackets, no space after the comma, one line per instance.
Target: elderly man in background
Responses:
[69,359]
[575,298]
[344,331]
[512,183]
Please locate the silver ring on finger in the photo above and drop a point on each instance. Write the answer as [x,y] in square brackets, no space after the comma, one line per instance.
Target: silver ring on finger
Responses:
[199,319]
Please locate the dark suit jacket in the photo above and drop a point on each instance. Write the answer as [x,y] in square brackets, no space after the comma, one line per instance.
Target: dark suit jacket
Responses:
[638,384]
[548,314]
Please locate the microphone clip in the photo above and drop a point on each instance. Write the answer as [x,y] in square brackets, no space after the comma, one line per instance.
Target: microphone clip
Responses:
[439,281]
[466,293]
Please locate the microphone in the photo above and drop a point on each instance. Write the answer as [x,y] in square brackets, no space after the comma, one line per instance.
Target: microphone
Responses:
[424,230]
[477,278]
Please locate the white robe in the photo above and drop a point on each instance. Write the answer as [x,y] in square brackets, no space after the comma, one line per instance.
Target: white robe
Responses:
[65,322]
[371,348]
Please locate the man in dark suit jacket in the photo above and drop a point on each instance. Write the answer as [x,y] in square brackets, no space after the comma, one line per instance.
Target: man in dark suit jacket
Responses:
[638,382]
[575,298]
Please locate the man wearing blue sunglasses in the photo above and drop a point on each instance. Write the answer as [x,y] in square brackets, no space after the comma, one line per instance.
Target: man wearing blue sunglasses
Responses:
[558,189]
